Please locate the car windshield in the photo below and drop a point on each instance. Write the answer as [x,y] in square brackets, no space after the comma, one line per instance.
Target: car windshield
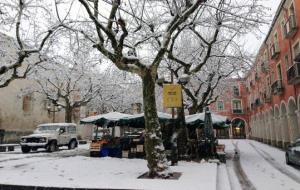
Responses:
[47,129]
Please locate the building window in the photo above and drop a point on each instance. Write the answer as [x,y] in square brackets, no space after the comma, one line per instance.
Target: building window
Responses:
[291,10]
[27,103]
[279,72]
[296,50]
[236,91]
[220,105]
[237,106]
[286,61]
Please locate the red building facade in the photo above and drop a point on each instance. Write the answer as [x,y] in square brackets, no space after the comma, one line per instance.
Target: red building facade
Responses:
[232,104]
[271,90]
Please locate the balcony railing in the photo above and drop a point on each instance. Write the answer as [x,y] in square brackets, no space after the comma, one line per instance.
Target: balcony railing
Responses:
[277,88]
[237,111]
[293,73]
[275,50]
[290,27]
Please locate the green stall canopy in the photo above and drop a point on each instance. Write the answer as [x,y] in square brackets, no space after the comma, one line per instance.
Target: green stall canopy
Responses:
[197,120]
[104,119]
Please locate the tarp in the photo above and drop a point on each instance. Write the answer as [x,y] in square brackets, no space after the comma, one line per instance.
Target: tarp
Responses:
[104,119]
[197,120]
[138,120]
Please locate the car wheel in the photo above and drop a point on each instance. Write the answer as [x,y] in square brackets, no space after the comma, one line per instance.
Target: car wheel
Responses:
[52,147]
[25,149]
[72,144]
[287,159]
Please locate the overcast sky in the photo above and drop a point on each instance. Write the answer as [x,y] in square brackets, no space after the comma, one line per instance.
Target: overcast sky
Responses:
[253,42]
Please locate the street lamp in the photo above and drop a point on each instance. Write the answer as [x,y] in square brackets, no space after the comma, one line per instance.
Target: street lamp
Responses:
[181,127]
[182,139]
[55,109]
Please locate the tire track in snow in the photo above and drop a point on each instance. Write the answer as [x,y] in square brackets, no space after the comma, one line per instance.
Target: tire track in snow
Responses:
[246,184]
[275,164]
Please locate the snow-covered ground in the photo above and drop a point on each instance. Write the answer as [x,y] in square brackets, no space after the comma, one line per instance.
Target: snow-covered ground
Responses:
[264,166]
[66,169]
[257,166]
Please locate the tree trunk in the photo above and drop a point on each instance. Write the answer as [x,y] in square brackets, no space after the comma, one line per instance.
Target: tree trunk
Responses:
[193,109]
[155,154]
[183,134]
[68,114]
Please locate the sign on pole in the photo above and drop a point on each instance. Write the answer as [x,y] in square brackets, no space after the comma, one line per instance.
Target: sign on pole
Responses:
[172,96]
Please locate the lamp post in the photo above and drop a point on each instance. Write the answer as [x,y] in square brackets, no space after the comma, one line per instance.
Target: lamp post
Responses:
[55,109]
[179,135]
[183,135]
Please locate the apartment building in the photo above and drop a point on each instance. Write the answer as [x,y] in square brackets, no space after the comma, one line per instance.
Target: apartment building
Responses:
[271,102]
[232,105]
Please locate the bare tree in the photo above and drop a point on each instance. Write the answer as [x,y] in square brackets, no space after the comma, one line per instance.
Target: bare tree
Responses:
[136,35]
[120,90]
[32,37]
[130,30]
[209,50]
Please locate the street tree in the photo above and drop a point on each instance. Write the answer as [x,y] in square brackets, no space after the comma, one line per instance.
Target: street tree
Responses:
[120,91]
[209,49]
[70,78]
[136,36]
[30,39]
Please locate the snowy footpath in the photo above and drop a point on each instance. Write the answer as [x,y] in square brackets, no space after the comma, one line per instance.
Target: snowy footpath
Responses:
[259,166]
[68,168]
[250,166]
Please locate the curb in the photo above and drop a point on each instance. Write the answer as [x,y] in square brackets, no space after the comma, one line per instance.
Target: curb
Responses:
[22,187]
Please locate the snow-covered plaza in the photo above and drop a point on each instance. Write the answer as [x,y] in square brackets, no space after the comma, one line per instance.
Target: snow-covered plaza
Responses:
[256,166]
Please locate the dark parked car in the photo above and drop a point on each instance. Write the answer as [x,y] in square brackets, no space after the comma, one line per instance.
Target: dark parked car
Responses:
[292,154]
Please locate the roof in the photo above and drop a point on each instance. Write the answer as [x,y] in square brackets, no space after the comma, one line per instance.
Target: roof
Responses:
[104,119]
[55,124]
[138,120]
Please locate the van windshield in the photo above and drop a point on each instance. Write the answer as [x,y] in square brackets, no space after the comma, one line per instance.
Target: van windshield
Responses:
[47,129]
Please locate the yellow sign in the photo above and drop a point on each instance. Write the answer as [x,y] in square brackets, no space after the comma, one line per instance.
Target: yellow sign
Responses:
[172,97]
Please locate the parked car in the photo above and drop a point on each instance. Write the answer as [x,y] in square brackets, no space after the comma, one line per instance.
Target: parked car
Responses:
[50,136]
[292,154]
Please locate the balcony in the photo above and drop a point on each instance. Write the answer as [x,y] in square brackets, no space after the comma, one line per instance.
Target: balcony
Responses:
[275,50]
[293,74]
[290,27]
[237,111]
[277,88]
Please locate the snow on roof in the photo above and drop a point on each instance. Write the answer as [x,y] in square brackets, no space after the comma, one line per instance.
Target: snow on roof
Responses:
[56,124]
[200,116]
[109,116]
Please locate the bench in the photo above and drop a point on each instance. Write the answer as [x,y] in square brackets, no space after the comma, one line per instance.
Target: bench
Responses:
[8,147]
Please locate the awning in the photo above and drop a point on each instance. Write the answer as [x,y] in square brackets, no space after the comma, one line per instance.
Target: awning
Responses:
[197,120]
[104,119]
[138,120]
